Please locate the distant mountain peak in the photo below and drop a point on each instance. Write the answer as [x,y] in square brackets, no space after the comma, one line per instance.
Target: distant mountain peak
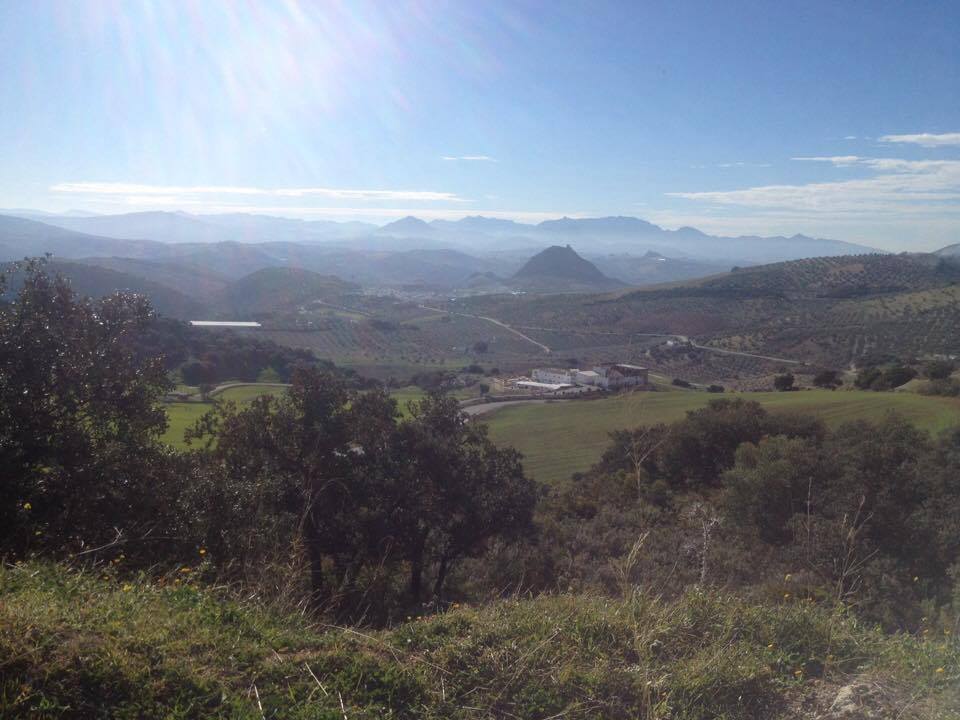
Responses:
[561,262]
[406,225]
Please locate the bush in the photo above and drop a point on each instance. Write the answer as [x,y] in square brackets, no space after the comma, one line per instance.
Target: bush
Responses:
[681,383]
[875,378]
[783,383]
[828,379]
[939,369]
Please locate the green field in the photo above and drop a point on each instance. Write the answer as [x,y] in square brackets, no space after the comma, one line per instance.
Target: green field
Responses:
[558,439]
[184,415]
[246,393]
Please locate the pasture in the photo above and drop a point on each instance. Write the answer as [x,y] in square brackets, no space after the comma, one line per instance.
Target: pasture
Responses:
[561,438]
[182,415]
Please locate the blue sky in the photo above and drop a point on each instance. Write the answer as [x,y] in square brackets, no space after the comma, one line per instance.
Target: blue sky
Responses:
[837,119]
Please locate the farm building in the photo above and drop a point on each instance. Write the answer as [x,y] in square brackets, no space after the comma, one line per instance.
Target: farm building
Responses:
[556,376]
[617,375]
[586,377]
[541,387]
[608,375]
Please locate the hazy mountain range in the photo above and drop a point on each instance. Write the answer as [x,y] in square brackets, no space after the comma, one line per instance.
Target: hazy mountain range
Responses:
[592,236]
[195,258]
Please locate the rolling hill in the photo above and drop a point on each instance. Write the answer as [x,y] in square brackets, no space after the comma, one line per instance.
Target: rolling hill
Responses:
[21,237]
[94,281]
[834,311]
[273,289]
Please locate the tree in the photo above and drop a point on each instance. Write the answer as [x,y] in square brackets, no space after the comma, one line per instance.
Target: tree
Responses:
[480,347]
[939,369]
[783,383]
[461,490]
[80,417]
[362,488]
[829,379]
[868,378]
[770,483]
[898,375]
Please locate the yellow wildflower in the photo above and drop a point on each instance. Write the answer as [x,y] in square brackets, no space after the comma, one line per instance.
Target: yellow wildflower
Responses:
[27,506]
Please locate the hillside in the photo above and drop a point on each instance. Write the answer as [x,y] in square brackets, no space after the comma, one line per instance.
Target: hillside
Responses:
[561,269]
[93,281]
[273,289]
[20,238]
[190,279]
[159,648]
[167,227]
[834,311]
[653,267]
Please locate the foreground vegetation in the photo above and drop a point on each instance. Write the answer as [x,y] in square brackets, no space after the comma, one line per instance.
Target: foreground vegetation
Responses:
[735,563]
[559,439]
[76,645]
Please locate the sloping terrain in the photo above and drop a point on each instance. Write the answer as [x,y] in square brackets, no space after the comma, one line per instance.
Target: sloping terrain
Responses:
[273,289]
[81,644]
[94,281]
[20,238]
[824,310]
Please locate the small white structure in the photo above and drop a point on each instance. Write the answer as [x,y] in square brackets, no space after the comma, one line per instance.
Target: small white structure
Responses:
[541,387]
[557,376]
[587,377]
[224,323]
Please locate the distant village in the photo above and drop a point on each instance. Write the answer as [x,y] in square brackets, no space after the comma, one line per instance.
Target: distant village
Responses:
[607,376]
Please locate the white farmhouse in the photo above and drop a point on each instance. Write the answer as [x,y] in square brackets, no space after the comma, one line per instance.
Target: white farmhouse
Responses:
[587,377]
[617,375]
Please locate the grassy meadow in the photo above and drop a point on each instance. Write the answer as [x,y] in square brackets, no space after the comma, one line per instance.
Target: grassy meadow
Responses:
[91,644]
[561,438]
[184,414]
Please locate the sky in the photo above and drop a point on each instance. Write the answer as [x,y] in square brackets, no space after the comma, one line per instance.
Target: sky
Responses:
[833,119]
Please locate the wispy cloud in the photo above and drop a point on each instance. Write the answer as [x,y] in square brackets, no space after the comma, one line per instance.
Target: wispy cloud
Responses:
[897,186]
[740,164]
[838,160]
[470,158]
[729,165]
[925,139]
[184,193]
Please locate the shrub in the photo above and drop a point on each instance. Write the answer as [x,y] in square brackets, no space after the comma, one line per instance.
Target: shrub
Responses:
[784,382]
[829,379]
[939,369]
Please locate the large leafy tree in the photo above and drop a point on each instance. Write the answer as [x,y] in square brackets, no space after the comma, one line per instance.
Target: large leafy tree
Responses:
[79,415]
[462,490]
[363,488]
